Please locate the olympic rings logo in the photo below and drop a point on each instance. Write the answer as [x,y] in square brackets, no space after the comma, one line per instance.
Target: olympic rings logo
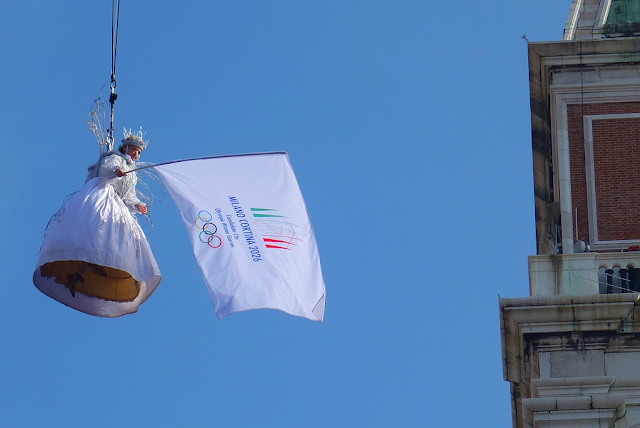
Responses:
[213,240]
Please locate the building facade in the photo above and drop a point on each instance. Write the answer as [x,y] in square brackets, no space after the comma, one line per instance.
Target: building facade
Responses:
[571,350]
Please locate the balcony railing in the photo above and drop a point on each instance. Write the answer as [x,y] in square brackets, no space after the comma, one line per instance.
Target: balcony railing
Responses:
[584,274]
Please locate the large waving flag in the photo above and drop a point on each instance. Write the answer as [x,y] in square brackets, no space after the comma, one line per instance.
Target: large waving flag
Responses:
[250,232]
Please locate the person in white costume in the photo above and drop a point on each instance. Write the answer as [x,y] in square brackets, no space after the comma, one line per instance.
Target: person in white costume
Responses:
[95,257]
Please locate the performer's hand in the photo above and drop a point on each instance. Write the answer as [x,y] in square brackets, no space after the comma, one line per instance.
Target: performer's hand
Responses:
[142,209]
[119,172]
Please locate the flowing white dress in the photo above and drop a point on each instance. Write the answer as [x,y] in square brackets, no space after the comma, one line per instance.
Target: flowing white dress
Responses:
[96,225]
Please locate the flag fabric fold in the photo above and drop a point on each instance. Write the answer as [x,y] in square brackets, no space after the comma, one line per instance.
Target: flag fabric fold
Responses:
[250,231]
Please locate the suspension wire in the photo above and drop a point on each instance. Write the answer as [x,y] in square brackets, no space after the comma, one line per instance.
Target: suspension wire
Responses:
[203,158]
[607,284]
[115,21]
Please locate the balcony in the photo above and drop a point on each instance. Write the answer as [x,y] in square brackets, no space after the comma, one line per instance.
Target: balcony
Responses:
[584,274]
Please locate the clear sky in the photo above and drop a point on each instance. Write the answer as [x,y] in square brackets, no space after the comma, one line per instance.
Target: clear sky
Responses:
[407,124]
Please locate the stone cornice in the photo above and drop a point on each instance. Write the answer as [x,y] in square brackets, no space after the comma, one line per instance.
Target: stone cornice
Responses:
[519,316]
[523,319]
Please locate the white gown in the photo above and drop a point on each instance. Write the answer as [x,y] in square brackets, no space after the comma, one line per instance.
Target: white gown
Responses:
[96,225]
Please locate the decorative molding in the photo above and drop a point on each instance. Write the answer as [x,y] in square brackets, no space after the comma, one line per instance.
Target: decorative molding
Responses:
[603,14]
[575,411]
[572,20]
[571,386]
[592,59]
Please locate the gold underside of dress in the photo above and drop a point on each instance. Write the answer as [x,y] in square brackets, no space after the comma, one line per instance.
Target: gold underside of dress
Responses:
[117,286]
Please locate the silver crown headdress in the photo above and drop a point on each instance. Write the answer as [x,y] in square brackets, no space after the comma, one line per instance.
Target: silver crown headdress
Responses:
[136,138]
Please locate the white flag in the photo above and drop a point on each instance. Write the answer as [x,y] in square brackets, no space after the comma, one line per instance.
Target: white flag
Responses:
[250,232]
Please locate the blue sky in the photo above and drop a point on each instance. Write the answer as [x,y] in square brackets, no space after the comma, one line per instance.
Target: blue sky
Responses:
[407,124]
